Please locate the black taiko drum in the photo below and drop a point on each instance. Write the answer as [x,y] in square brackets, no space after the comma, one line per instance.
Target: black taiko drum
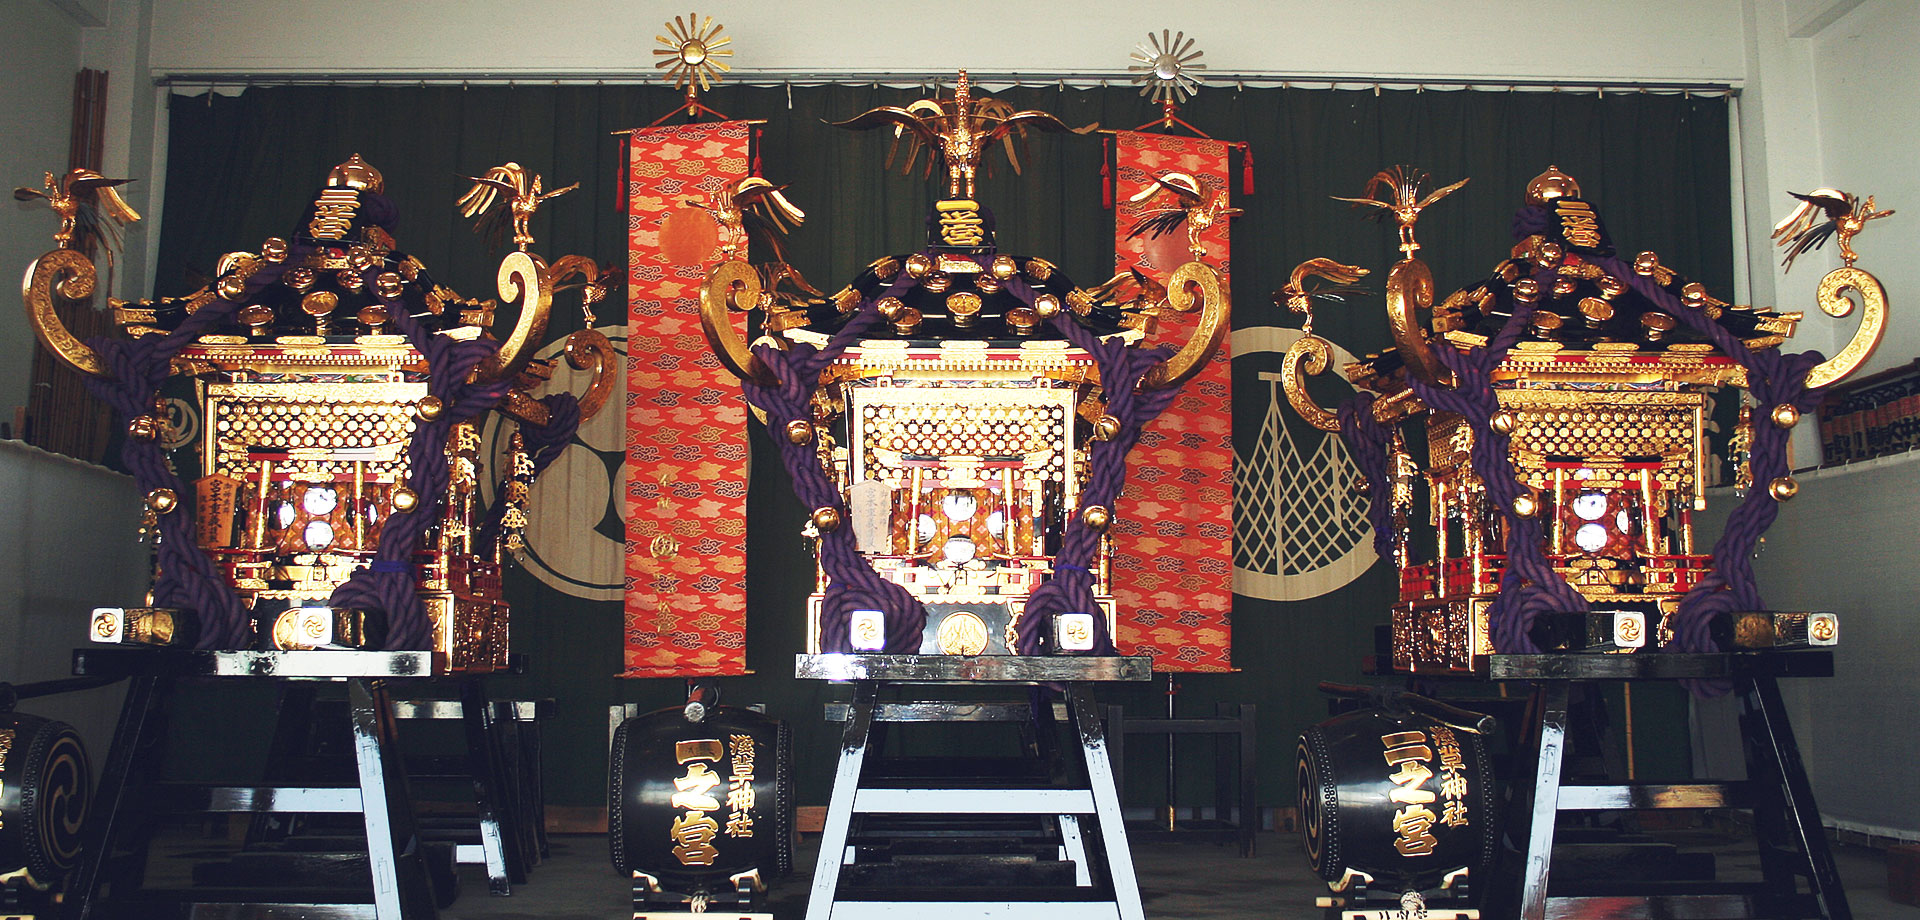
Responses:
[1399,797]
[696,803]
[45,785]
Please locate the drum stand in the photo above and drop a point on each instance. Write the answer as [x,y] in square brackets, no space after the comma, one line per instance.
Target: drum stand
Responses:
[115,838]
[966,837]
[1793,846]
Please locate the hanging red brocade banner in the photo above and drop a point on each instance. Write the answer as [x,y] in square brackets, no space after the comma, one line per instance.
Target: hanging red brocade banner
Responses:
[686,612]
[1173,539]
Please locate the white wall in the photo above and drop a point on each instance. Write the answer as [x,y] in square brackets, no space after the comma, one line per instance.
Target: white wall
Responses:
[36,102]
[67,545]
[1694,40]
[1839,94]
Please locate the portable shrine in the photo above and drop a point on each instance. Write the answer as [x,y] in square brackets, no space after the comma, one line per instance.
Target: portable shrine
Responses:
[958,420]
[337,389]
[1566,403]
[323,395]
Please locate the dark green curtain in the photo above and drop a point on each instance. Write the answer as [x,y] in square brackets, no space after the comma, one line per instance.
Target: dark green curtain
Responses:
[243,168]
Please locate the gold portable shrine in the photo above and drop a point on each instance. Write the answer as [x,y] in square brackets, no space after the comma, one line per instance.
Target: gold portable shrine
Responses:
[1602,403]
[948,442]
[308,399]
[960,463]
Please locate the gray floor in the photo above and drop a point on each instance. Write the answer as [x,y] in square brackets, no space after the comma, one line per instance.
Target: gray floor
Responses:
[1187,881]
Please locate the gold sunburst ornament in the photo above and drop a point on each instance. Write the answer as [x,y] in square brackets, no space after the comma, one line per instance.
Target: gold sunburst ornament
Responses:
[1166,68]
[690,57]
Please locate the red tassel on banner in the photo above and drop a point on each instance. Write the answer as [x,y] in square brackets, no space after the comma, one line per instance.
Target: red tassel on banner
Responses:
[1246,169]
[621,172]
[754,170]
[1106,173]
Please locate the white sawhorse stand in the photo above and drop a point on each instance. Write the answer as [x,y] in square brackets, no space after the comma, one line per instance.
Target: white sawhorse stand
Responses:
[1052,821]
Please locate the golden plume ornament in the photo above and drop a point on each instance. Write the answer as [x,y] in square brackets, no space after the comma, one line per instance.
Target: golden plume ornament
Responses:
[1396,191]
[691,56]
[1192,209]
[960,129]
[1300,291]
[507,196]
[1824,213]
[1166,71]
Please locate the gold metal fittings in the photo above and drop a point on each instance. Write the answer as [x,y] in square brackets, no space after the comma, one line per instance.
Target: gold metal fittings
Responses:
[1410,290]
[1313,353]
[826,519]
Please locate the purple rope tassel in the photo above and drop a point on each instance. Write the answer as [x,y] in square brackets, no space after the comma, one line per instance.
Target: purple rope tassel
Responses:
[388,583]
[544,445]
[1367,440]
[188,579]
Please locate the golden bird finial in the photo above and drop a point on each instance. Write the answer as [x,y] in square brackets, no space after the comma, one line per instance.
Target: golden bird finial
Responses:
[751,209]
[523,197]
[962,129]
[1193,210]
[1804,230]
[1396,192]
[88,206]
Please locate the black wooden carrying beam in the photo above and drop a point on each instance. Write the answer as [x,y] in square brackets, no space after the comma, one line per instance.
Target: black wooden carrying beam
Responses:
[1792,844]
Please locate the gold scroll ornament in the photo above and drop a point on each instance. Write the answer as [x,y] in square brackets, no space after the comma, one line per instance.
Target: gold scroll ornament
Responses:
[732,286]
[1214,306]
[1873,321]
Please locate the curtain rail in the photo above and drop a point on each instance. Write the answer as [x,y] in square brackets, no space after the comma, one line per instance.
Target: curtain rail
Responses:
[1214,80]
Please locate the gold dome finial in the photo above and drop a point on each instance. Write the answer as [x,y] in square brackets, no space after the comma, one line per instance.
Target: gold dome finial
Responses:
[1550,185]
[357,173]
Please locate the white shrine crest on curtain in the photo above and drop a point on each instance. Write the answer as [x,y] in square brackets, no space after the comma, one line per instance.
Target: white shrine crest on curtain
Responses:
[1300,524]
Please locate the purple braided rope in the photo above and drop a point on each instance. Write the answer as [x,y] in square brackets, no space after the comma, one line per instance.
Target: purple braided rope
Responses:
[544,444]
[1529,584]
[1367,440]
[853,583]
[188,578]
[389,582]
[1774,379]
[1070,590]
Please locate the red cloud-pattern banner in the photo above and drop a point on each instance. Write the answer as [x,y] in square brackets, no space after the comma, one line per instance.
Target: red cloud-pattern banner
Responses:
[686,563]
[1173,544]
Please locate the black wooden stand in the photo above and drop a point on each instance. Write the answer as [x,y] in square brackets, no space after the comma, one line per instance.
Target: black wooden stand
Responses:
[501,758]
[107,881]
[1235,741]
[1793,846]
[971,837]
